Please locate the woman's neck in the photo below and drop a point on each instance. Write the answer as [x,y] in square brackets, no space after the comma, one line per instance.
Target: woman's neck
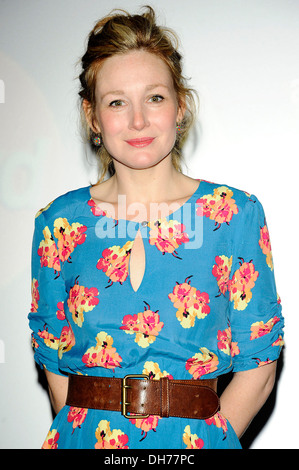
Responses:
[151,193]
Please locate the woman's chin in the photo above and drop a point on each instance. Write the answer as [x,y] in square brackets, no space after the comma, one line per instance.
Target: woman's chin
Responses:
[140,163]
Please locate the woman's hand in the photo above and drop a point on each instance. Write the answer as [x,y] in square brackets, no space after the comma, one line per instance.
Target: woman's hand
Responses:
[246,394]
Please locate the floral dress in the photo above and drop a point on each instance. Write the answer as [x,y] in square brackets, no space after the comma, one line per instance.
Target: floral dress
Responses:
[207,305]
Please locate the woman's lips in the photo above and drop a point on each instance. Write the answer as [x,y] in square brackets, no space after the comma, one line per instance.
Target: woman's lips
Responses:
[142,142]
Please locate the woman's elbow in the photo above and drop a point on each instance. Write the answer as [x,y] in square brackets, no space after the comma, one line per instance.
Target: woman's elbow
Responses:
[270,379]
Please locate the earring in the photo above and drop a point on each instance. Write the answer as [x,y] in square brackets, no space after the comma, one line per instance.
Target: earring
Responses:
[96,139]
[178,128]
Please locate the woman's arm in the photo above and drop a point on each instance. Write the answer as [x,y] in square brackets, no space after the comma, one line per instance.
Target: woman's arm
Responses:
[58,386]
[246,394]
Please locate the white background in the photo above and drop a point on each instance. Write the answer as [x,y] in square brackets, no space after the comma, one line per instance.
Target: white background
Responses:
[242,57]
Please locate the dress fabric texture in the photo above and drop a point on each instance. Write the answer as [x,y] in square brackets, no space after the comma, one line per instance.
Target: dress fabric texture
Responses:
[207,305]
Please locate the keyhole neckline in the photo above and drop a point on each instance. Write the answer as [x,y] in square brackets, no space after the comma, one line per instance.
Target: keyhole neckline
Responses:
[144,223]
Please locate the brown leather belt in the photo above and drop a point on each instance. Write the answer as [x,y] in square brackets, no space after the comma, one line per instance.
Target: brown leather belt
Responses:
[136,396]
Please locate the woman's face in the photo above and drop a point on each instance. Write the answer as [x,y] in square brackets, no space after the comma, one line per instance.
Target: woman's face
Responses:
[136,109]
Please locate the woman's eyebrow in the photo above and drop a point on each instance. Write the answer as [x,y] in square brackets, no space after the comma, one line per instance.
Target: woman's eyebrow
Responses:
[156,85]
[113,92]
[148,88]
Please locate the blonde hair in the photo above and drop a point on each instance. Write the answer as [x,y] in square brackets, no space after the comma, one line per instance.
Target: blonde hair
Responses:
[118,33]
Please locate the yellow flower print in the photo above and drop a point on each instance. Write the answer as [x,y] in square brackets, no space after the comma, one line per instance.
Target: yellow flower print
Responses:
[49,339]
[202,363]
[81,299]
[241,284]
[68,236]
[192,441]
[190,303]
[115,262]
[146,325]
[221,270]
[152,369]
[265,245]
[260,328]
[103,354]
[48,252]
[66,340]
[219,206]
[110,439]
[34,295]
[167,235]
[51,440]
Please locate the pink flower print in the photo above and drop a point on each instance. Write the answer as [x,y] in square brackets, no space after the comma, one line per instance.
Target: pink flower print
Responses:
[146,424]
[167,236]
[68,236]
[224,340]
[202,363]
[76,416]
[265,245]
[262,363]
[225,343]
[103,354]
[66,340]
[48,252]
[95,209]
[241,284]
[183,295]
[34,343]
[60,314]
[260,328]
[279,342]
[130,323]
[219,421]
[81,299]
[192,441]
[150,322]
[221,270]
[190,303]
[219,206]
[234,349]
[49,339]
[115,262]
[146,325]
[201,304]
[110,439]
[154,372]
[51,441]
[35,295]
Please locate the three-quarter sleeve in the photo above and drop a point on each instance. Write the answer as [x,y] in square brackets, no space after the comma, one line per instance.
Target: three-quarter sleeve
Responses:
[46,318]
[255,310]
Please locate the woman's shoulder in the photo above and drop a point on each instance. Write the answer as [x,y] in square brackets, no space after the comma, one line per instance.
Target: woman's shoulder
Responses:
[217,191]
[65,205]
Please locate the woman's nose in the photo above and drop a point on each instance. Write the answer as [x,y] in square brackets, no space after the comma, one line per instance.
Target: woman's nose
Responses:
[139,119]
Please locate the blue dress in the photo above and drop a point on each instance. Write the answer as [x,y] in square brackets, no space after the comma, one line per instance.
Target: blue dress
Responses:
[207,305]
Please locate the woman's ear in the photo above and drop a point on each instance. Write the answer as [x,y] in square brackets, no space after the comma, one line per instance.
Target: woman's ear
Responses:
[89,116]
[181,110]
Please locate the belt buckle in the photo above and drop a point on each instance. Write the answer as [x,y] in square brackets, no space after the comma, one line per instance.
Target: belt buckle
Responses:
[124,396]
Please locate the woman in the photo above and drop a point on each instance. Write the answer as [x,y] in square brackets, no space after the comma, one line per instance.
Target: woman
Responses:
[149,272]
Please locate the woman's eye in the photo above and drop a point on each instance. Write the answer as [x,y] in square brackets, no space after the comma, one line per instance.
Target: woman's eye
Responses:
[156,99]
[116,103]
